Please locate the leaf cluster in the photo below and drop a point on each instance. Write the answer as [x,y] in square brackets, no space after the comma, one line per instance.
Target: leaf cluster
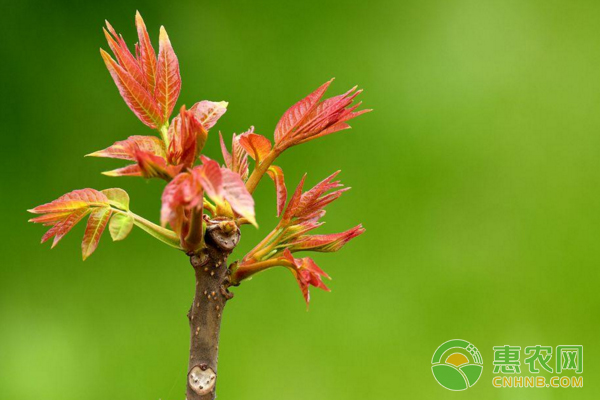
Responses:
[199,189]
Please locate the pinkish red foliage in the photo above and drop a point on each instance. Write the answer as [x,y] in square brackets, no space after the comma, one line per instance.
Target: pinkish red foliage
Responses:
[276,174]
[150,83]
[168,80]
[311,118]
[186,137]
[302,215]
[307,273]
[182,195]
[237,160]
[209,112]
[65,212]
[185,193]
[257,146]
[150,86]
[325,243]
[226,187]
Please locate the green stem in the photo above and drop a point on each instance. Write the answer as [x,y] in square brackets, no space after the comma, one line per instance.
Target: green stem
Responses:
[164,134]
[166,236]
[210,207]
[242,272]
[260,170]
[268,240]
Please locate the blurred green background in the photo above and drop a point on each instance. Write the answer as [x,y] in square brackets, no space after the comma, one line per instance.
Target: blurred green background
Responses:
[477,178]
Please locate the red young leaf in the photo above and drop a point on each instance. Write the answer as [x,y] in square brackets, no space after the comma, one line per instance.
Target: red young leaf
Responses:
[147,56]
[330,109]
[257,146]
[326,243]
[240,158]
[186,138]
[63,227]
[340,125]
[236,194]
[301,216]
[293,117]
[330,116]
[130,170]
[294,201]
[50,219]
[312,202]
[225,152]
[182,203]
[237,161]
[135,95]
[66,211]
[307,274]
[172,202]
[153,166]
[147,151]
[209,112]
[309,119]
[168,80]
[72,201]
[276,174]
[94,229]
[222,184]
[125,149]
[123,55]
[210,177]
[182,194]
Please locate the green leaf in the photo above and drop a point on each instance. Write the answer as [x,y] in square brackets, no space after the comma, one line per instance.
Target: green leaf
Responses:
[118,198]
[120,226]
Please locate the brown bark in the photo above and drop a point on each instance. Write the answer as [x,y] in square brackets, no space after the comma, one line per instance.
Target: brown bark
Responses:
[212,280]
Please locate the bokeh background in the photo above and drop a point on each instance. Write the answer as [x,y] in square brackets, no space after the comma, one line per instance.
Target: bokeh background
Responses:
[477,178]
